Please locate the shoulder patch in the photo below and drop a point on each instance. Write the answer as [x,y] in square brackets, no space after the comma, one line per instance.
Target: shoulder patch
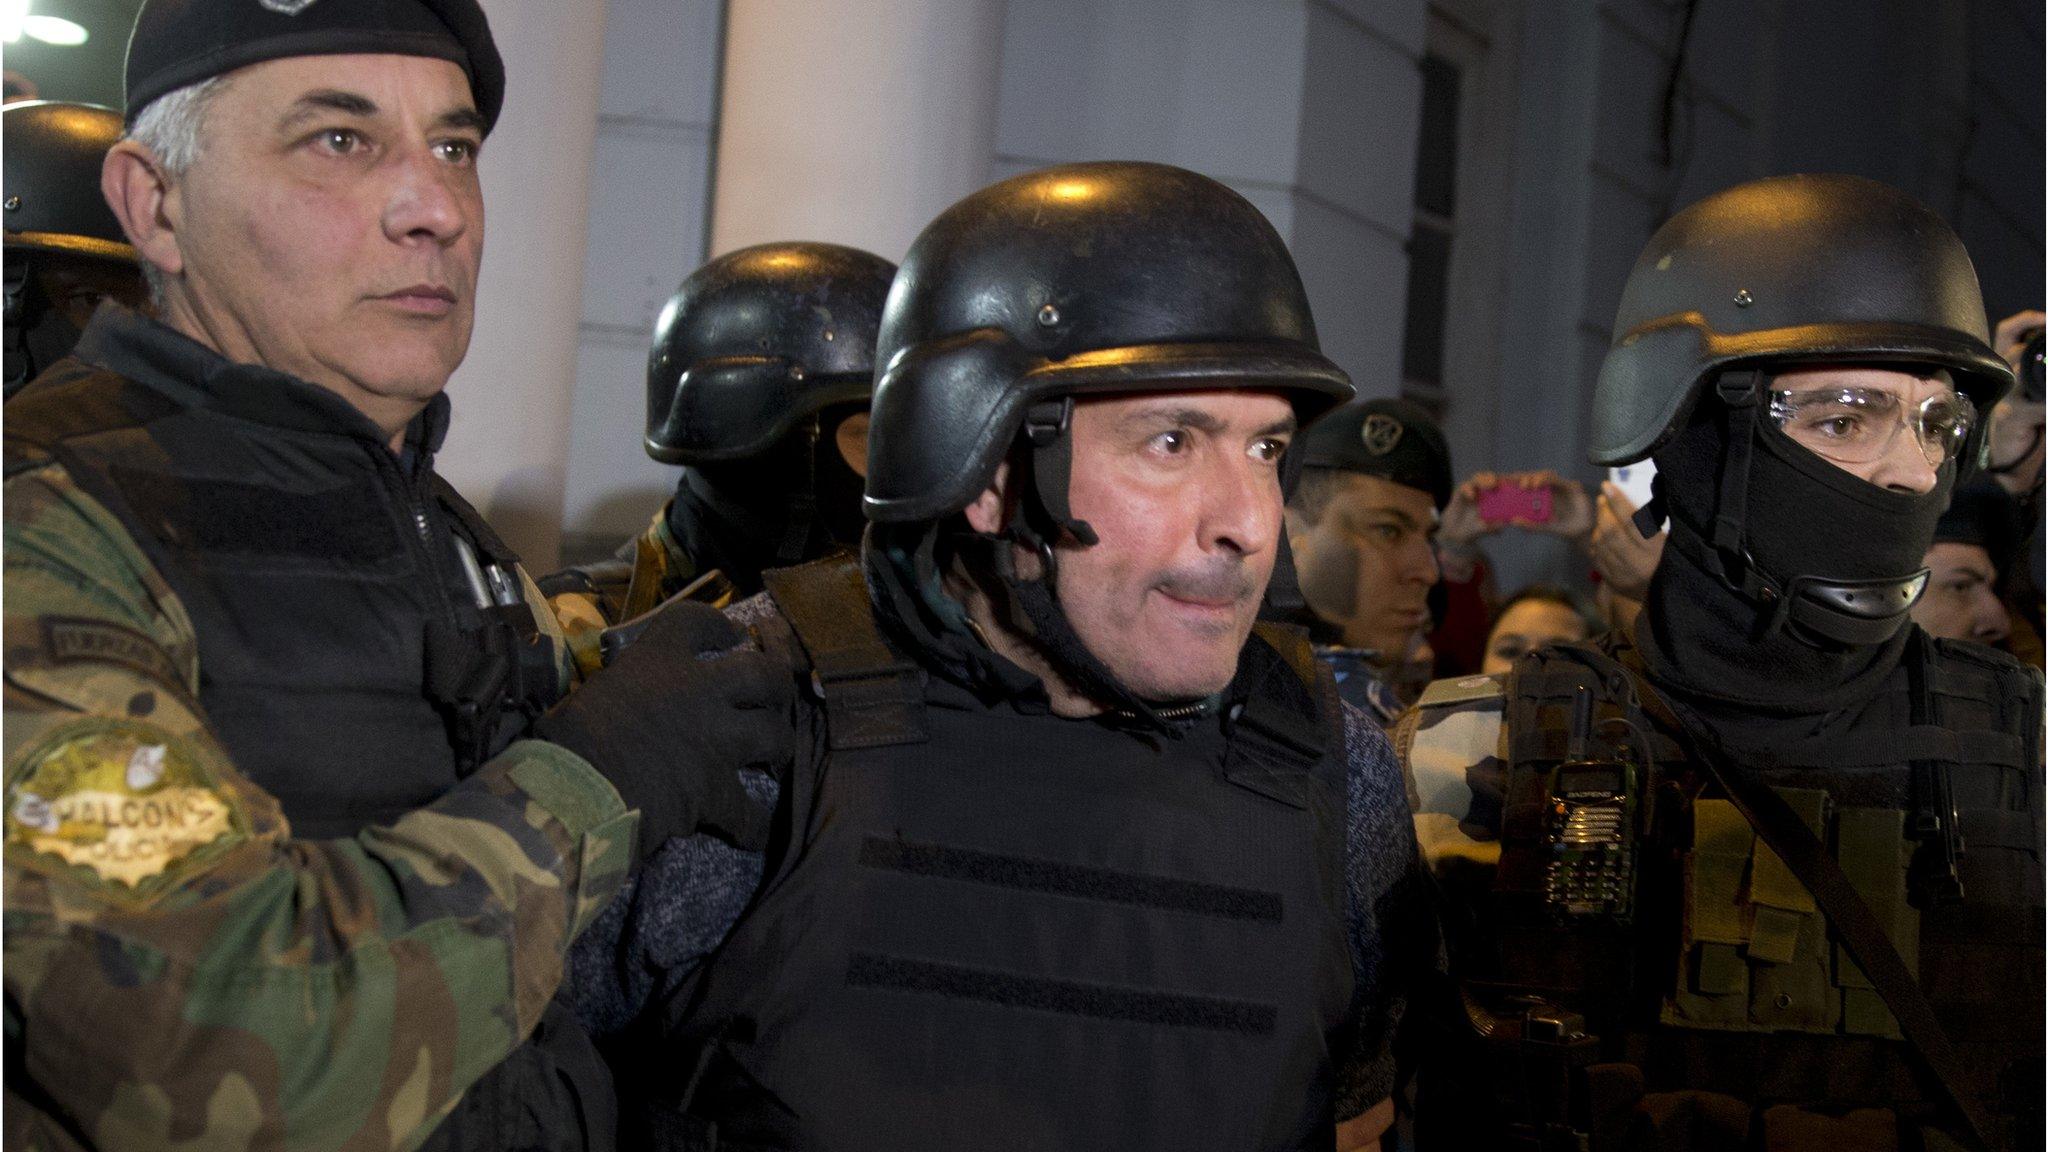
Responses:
[71,640]
[1462,690]
[122,807]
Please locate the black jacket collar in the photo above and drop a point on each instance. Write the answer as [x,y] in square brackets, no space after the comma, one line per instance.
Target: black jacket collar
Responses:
[158,357]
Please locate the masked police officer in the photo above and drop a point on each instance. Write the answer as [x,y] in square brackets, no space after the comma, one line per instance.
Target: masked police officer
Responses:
[65,250]
[758,385]
[1070,855]
[241,605]
[1768,876]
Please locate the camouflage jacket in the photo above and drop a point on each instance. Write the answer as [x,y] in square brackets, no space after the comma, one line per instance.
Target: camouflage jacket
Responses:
[180,972]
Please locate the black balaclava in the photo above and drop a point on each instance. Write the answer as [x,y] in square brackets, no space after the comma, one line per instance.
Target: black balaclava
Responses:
[1721,631]
[797,501]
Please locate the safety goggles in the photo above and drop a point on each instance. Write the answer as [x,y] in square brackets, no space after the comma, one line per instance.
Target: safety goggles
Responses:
[1853,425]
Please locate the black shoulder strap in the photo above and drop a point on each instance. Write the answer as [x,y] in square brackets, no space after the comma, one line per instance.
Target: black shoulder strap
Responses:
[1789,836]
[1306,693]
[873,697]
[1284,718]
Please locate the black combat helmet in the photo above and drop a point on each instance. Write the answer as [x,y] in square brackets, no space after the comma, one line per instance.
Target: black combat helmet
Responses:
[54,212]
[52,161]
[1767,275]
[758,340]
[1791,268]
[1084,278]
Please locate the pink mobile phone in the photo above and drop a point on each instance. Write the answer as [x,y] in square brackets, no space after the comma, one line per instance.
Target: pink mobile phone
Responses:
[1510,503]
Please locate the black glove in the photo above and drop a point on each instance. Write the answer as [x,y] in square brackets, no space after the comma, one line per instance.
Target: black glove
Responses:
[670,724]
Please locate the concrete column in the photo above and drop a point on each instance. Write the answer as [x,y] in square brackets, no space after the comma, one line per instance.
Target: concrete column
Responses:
[509,447]
[650,189]
[852,121]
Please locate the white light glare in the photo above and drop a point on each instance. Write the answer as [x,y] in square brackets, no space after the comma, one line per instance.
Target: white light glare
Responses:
[54,30]
[12,14]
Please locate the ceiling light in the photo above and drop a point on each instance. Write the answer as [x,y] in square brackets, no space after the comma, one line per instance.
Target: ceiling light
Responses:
[54,30]
[12,13]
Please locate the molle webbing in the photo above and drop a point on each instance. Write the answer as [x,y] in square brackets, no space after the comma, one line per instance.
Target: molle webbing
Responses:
[1057,926]
[1068,997]
[1109,885]
[1589,966]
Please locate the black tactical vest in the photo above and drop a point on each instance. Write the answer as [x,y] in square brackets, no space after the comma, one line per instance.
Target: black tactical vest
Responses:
[994,929]
[1711,987]
[346,663]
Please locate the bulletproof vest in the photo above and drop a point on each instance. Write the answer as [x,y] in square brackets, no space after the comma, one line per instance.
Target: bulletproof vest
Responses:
[346,663]
[1630,891]
[990,927]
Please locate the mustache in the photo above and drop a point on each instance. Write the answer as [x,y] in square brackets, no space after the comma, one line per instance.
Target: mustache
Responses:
[1224,581]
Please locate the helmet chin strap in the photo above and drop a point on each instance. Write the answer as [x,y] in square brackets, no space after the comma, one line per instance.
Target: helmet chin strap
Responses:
[1048,429]
[1817,610]
[1039,519]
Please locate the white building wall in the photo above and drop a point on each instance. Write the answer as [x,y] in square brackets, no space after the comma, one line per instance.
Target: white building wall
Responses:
[649,210]
[509,447]
[852,121]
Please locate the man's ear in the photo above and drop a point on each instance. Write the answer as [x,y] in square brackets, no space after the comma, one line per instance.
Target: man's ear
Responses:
[989,513]
[146,204]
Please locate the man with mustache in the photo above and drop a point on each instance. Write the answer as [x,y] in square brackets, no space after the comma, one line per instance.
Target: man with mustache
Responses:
[241,606]
[1765,871]
[1071,853]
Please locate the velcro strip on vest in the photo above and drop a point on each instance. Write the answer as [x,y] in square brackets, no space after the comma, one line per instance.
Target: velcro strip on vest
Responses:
[873,697]
[1107,885]
[347,524]
[1068,997]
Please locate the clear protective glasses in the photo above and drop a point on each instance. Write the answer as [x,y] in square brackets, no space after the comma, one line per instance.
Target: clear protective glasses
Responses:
[1857,425]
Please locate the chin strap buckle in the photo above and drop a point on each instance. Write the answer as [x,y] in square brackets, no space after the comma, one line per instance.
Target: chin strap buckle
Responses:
[1740,390]
[1046,425]
[1048,420]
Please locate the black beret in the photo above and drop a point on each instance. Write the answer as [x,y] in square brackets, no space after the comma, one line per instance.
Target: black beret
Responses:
[182,42]
[1983,513]
[1394,439]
